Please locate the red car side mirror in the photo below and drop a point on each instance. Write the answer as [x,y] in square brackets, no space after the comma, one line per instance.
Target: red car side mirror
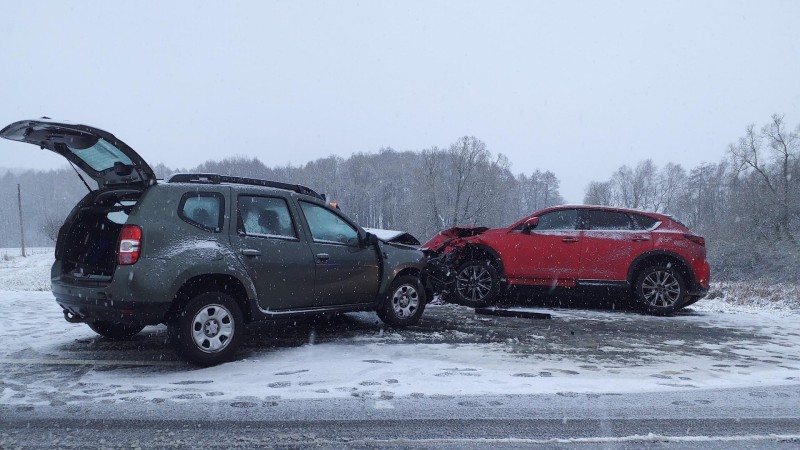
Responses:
[530,224]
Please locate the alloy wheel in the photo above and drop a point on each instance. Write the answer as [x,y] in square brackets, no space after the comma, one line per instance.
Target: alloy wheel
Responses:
[474,283]
[661,289]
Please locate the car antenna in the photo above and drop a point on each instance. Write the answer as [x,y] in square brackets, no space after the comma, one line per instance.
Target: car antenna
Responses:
[81,177]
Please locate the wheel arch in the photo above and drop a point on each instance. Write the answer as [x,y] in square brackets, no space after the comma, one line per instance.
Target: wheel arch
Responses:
[482,251]
[660,257]
[211,282]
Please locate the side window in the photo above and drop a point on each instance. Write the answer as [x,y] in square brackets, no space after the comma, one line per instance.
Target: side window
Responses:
[643,222]
[264,216]
[203,210]
[328,227]
[563,219]
[606,220]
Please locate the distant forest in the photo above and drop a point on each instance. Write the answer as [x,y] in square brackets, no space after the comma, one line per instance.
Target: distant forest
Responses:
[419,192]
[747,206]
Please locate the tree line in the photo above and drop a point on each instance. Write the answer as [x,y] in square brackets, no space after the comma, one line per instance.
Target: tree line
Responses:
[747,205]
[420,192]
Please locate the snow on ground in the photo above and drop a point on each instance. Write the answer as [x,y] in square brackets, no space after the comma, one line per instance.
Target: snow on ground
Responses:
[25,274]
[47,360]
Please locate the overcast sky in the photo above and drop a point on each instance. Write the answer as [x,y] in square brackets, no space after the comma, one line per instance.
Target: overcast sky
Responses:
[578,88]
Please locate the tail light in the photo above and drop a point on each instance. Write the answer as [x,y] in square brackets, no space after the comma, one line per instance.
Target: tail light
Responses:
[130,245]
[696,239]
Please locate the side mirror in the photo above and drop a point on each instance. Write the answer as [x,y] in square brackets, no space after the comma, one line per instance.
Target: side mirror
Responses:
[530,224]
[368,239]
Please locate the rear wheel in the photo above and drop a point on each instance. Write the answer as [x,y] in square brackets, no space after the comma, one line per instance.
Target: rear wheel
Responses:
[405,303]
[660,290]
[477,284]
[116,331]
[209,329]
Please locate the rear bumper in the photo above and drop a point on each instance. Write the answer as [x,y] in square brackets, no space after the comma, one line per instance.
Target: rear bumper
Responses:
[91,309]
[125,299]
[702,279]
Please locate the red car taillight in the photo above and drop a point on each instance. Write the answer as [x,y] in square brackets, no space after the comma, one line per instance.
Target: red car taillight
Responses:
[696,239]
[130,245]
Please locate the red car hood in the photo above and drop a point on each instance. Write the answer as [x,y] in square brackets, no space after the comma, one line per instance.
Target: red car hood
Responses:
[444,237]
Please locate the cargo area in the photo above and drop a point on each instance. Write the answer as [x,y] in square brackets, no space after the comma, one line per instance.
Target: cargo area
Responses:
[87,242]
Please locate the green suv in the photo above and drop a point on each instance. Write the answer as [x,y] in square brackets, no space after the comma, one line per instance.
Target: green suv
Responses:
[206,254]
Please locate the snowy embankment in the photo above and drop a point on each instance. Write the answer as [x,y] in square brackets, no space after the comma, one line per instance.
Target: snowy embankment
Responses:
[366,360]
[25,274]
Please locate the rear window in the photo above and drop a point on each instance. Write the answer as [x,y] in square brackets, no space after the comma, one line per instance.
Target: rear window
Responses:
[101,156]
[203,210]
[644,222]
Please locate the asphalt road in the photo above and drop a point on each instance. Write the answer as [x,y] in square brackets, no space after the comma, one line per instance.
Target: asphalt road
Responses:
[753,417]
[741,418]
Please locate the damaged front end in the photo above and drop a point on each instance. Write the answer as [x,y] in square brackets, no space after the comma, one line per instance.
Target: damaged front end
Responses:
[445,252]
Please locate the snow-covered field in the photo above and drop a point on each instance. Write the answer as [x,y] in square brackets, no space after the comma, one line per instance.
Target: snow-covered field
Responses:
[46,360]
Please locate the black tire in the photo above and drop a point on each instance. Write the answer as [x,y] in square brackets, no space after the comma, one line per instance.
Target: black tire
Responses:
[660,290]
[477,284]
[209,329]
[116,331]
[404,303]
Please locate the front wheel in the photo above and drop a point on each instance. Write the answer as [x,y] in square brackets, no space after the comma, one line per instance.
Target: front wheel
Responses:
[660,290]
[405,303]
[116,331]
[477,284]
[209,329]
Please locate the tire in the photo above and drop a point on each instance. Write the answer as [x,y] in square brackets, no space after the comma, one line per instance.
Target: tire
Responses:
[116,331]
[405,302]
[477,284]
[209,329]
[660,290]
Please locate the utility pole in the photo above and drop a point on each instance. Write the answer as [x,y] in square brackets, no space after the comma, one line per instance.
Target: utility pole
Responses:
[21,229]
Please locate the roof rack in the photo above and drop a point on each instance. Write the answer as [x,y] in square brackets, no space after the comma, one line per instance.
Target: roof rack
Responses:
[213,178]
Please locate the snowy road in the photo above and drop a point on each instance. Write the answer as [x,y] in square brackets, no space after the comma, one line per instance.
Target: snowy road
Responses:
[47,361]
[716,376]
[714,371]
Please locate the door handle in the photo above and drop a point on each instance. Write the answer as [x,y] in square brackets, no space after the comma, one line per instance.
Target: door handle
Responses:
[322,257]
[570,240]
[250,252]
[640,238]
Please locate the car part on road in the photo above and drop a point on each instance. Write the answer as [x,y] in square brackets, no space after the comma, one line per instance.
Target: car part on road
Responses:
[512,313]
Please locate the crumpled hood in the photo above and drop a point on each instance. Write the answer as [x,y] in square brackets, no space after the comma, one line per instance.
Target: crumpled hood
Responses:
[393,236]
[444,237]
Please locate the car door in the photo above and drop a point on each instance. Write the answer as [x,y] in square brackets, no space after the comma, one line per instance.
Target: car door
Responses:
[346,272]
[547,254]
[610,241]
[273,248]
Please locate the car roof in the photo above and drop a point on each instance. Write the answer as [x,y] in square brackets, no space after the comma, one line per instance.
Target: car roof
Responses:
[213,178]
[603,208]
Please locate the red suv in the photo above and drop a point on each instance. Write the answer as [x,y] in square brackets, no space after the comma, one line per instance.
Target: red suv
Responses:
[656,257]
